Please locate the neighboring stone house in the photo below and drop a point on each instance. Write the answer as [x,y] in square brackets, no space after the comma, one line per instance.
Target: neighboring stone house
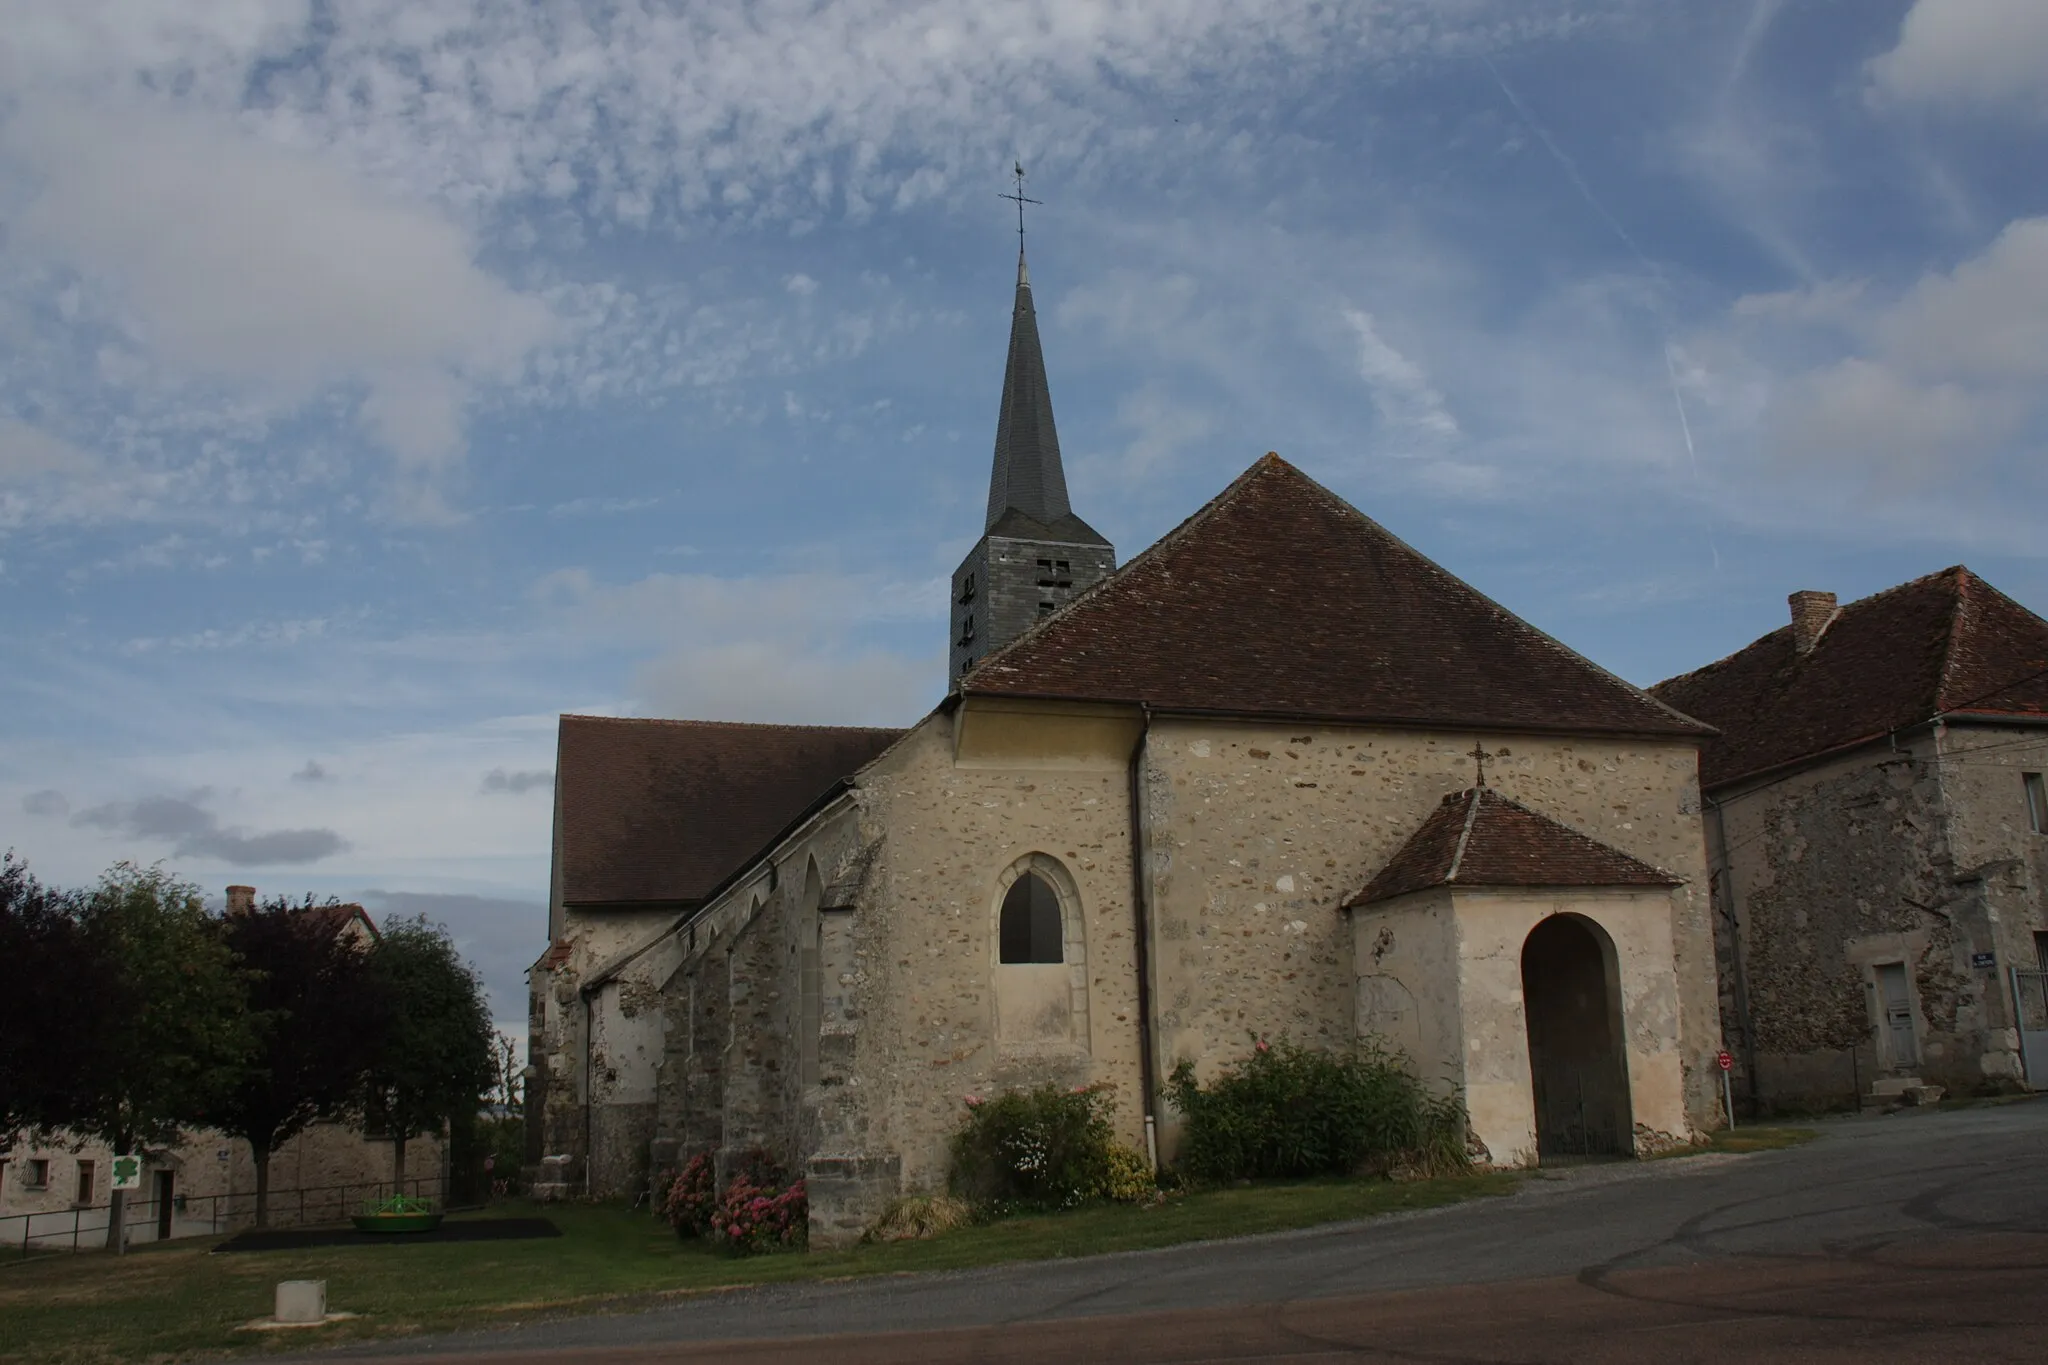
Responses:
[1875,817]
[1280,774]
[207,1181]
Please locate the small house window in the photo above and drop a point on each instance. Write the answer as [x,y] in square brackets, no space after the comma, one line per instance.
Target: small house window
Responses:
[2037,802]
[85,1174]
[1031,927]
[38,1173]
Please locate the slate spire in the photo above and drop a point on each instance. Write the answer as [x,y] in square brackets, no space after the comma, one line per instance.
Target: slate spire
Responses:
[1034,555]
[1028,476]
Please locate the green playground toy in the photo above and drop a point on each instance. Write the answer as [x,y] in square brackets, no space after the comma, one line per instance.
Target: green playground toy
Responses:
[398,1214]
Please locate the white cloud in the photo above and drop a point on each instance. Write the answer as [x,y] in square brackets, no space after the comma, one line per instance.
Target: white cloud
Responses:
[27,451]
[1400,388]
[791,681]
[1873,416]
[770,648]
[656,114]
[1987,318]
[1945,375]
[231,261]
[1990,54]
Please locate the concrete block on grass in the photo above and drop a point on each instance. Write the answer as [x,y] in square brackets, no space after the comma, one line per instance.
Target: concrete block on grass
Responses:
[301,1301]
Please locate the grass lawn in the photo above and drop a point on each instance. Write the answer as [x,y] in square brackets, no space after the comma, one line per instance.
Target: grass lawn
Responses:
[177,1301]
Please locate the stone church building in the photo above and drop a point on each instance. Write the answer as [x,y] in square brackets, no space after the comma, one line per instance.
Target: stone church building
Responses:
[1280,774]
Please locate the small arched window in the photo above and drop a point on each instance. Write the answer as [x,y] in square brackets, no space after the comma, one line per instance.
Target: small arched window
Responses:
[1031,927]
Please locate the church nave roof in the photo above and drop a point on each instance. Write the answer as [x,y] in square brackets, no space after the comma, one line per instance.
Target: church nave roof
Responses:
[1280,599]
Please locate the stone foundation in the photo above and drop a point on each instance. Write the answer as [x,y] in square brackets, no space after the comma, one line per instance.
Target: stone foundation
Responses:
[848,1194]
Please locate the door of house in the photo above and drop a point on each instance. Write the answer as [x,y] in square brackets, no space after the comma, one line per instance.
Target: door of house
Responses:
[1897,1003]
[166,1183]
[2030,1001]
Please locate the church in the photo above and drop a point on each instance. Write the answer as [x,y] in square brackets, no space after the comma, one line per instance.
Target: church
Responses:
[1279,774]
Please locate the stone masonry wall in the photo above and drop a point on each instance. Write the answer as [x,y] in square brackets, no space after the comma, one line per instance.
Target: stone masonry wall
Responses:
[1916,852]
[1259,832]
[560,1050]
[926,935]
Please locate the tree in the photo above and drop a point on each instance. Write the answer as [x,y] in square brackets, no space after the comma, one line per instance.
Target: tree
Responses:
[433,1055]
[314,1012]
[46,968]
[174,1033]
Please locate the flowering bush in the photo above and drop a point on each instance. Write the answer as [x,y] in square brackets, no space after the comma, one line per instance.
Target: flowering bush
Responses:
[692,1196]
[1287,1110]
[1046,1148]
[756,1217]
[761,1209]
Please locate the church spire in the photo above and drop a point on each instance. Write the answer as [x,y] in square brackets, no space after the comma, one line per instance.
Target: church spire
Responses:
[1028,476]
[1035,555]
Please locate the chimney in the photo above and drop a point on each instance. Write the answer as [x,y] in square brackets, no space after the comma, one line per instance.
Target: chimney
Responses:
[1811,612]
[241,899]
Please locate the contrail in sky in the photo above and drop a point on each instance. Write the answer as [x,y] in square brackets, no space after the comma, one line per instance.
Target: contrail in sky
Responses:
[1571,170]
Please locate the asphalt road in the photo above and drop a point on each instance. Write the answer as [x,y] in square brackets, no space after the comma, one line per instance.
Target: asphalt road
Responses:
[1917,1236]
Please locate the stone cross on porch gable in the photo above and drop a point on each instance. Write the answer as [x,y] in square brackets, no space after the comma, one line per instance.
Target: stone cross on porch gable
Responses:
[1479,756]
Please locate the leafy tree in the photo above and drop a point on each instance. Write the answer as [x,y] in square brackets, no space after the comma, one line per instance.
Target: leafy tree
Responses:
[433,1055]
[314,1012]
[174,1034]
[46,969]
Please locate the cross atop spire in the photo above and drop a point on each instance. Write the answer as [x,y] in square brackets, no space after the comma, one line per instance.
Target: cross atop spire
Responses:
[1017,169]
[1028,477]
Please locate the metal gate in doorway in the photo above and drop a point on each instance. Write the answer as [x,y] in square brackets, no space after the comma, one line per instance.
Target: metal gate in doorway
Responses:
[1569,1122]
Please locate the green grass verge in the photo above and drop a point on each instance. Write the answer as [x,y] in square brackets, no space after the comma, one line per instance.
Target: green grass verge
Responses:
[177,1302]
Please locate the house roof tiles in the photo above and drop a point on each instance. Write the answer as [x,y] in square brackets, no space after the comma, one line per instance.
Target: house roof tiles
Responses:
[1278,598]
[660,811]
[1477,837]
[1947,643]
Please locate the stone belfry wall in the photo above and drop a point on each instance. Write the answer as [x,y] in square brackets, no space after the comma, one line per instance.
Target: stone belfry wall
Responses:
[1034,554]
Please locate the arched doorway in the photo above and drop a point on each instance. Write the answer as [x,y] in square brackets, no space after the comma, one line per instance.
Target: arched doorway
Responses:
[1577,1069]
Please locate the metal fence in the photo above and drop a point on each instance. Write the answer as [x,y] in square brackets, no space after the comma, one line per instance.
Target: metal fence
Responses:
[148,1219]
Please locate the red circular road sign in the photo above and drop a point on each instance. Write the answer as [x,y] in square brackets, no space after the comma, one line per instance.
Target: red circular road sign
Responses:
[1725,1059]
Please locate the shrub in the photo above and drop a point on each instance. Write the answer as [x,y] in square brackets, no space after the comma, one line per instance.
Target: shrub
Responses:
[919,1215]
[692,1197]
[762,1209]
[755,1218]
[1287,1110]
[1046,1148]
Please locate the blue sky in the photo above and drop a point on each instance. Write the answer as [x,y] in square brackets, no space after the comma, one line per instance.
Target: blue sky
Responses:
[378,380]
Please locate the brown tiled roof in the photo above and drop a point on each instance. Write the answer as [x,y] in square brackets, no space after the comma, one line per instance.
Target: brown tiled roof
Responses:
[338,918]
[1946,643]
[1477,837]
[663,810]
[1281,599]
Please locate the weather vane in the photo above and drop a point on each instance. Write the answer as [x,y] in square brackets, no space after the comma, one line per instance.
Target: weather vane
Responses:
[1020,200]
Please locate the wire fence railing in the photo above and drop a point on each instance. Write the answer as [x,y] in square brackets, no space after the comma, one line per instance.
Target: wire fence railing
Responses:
[151,1219]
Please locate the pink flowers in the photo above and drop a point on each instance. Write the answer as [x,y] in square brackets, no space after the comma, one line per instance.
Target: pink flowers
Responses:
[974,1101]
[1263,1046]
[755,1218]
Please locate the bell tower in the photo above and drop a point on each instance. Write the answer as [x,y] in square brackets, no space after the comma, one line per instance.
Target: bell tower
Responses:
[1034,554]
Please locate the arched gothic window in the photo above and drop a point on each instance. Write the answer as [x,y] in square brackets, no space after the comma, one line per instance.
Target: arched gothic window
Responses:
[1031,925]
